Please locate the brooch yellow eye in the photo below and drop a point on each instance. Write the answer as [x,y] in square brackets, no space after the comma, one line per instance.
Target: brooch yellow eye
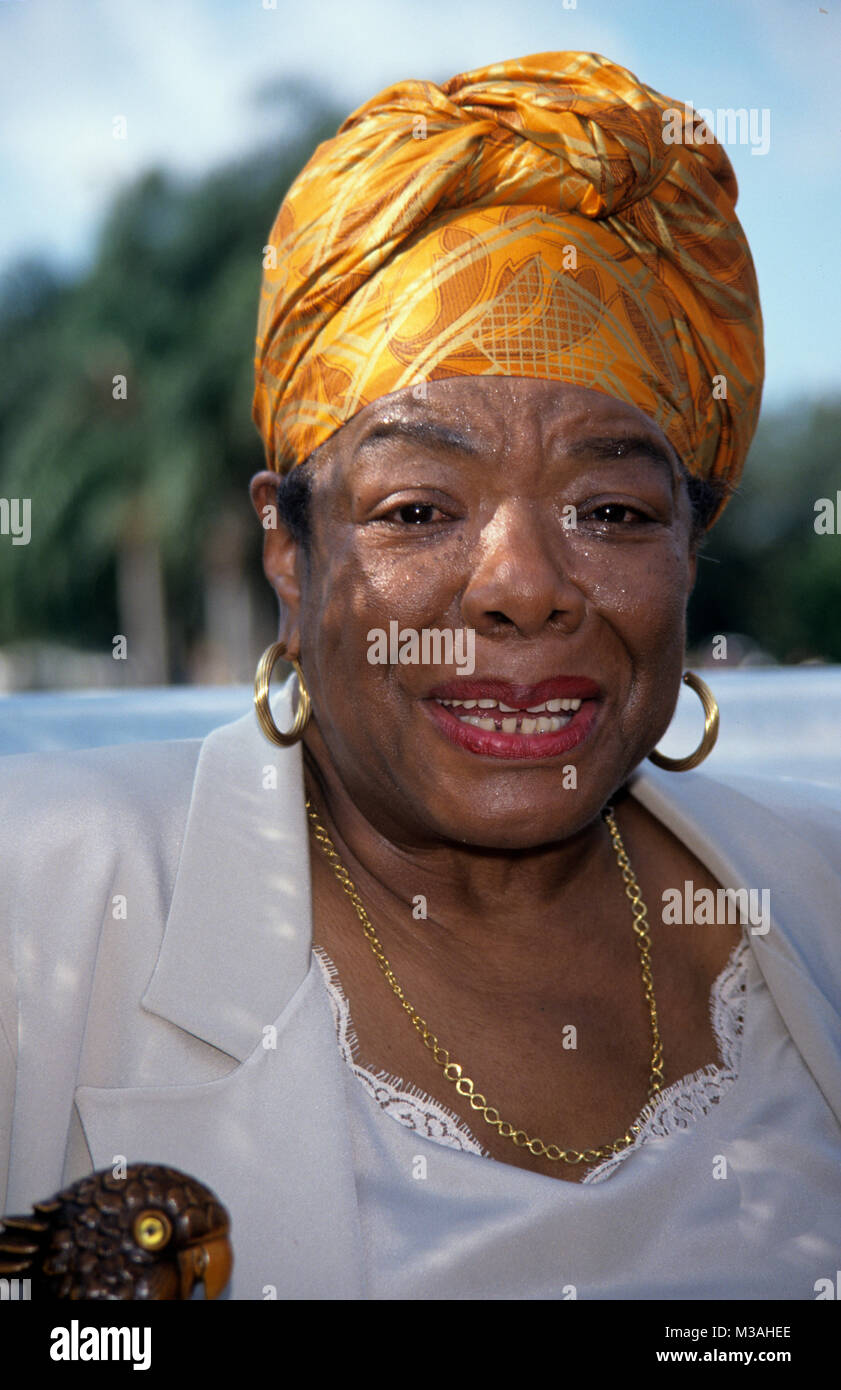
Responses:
[152,1230]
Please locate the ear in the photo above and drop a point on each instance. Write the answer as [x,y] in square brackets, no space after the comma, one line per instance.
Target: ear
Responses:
[281,556]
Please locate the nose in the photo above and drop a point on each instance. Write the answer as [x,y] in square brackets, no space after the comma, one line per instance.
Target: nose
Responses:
[521,574]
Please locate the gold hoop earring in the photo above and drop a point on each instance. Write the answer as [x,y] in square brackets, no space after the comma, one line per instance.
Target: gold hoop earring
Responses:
[261,697]
[707,744]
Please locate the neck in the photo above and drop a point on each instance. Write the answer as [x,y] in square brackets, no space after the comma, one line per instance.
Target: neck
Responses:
[552,896]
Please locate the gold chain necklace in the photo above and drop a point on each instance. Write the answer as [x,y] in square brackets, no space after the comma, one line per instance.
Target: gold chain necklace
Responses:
[453,1071]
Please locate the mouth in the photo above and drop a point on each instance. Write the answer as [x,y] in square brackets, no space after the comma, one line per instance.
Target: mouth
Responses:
[501,720]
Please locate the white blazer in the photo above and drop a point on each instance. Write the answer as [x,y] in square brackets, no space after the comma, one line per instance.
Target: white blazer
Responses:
[159,1000]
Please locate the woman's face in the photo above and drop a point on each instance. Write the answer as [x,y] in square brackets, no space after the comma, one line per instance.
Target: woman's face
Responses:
[553,521]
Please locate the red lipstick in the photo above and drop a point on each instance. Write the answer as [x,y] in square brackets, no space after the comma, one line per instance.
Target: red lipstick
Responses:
[496,743]
[518,696]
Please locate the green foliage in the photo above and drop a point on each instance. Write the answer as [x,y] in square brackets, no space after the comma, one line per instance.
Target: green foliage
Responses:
[170,302]
[765,571]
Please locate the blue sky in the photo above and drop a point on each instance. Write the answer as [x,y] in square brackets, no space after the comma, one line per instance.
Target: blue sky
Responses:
[184,73]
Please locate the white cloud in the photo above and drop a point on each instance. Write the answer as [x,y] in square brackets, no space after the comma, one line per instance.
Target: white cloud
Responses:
[183,74]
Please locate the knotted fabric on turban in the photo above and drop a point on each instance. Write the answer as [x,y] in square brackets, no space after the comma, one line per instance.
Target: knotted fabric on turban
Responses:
[530,219]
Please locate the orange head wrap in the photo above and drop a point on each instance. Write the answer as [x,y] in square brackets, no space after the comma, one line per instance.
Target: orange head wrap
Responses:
[531,219]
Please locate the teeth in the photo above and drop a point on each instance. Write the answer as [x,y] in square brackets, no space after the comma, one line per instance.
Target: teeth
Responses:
[549,718]
[514,723]
[554,706]
[548,706]
[478,723]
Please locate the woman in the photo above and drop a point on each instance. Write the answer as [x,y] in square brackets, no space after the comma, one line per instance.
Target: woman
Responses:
[398,981]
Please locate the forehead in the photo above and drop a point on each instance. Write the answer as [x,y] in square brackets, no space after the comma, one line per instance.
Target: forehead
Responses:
[494,416]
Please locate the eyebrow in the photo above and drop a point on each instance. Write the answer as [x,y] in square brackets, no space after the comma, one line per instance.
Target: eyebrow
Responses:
[423,432]
[616,447]
[603,447]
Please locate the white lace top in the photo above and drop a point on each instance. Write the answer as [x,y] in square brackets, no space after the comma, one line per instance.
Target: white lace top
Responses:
[676,1107]
[729,1190]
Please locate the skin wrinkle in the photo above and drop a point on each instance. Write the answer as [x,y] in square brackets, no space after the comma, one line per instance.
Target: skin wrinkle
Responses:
[528,925]
[294,495]
[375,589]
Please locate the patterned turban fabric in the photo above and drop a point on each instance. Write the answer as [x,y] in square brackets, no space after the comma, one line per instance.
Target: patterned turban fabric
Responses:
[526,219]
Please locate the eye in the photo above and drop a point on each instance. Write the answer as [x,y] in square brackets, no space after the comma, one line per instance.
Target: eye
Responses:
[413,513]
[617,514]
[152,1230]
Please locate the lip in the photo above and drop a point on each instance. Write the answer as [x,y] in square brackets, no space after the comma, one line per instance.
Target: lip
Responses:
[524,747]
[518,696]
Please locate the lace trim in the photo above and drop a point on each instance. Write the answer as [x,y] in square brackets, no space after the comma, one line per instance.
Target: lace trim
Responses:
[405,1103]
[677,1108]
[688,1100]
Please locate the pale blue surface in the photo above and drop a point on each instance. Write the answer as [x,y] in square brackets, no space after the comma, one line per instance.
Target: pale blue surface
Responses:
[774,720]
[91,719]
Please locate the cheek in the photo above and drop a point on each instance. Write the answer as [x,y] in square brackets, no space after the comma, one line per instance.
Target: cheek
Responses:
[646,586]
[637,601]
[643,602]
[358,587]
[379,582]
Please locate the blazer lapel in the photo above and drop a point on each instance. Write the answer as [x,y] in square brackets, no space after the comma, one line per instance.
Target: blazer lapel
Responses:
[735,831]
[235,969]
[272,1139]
[239,931]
